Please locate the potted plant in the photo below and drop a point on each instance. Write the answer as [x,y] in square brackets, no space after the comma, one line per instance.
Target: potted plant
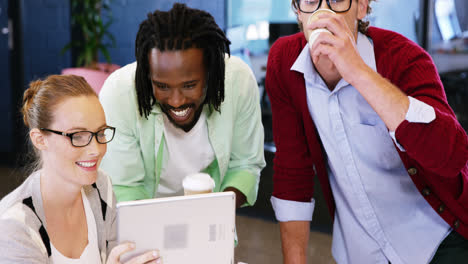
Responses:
[90,30]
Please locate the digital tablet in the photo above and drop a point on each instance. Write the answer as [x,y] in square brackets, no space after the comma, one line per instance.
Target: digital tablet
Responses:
[186,229]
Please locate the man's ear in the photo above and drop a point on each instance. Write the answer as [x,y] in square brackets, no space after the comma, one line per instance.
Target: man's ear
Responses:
[362,9]
[38,139]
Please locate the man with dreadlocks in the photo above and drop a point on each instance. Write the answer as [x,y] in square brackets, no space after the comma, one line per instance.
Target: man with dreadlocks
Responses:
[184,106]
[364,109]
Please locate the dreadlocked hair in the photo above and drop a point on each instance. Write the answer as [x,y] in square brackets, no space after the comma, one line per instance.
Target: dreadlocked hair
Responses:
[181,28]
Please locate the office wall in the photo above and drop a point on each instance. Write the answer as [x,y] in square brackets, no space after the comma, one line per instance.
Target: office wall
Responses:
[128,14]
[40,30]
[45,26]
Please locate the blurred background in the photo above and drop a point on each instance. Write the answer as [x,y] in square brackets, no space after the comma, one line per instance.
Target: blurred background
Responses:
[42,37]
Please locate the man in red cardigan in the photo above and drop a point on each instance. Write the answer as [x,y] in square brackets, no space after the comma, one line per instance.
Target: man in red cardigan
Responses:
[364,110]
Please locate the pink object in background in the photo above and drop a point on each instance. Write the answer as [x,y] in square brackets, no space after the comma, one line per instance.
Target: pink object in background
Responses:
[95,77]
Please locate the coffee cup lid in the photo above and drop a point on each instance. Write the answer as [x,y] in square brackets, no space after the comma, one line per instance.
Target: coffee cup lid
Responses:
[198,182]
[314,17]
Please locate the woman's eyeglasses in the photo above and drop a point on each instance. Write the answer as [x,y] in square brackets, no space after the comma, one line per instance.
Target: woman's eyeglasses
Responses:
[83,138]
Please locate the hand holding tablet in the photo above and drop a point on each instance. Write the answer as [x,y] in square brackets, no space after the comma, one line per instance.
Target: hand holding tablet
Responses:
[197,228]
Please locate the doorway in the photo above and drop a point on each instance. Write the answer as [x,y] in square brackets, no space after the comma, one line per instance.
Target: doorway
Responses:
[6,114]
[11,74]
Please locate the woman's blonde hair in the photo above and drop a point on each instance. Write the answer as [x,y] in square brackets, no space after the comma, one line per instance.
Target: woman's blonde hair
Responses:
[40,99]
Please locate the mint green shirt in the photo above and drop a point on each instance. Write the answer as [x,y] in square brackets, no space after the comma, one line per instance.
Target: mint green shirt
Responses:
[135,155]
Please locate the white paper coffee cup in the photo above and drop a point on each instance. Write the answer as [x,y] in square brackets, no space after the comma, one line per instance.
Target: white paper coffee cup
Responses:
[198,183]
[315,33]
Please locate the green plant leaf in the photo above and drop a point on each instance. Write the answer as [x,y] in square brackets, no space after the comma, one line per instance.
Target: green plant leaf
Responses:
[87,19]
[66,48]
[105,53]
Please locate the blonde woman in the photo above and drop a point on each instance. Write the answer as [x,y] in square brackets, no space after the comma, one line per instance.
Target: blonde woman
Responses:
[65,210]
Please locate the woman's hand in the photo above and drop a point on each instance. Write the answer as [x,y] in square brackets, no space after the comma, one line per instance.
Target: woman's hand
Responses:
[150,257]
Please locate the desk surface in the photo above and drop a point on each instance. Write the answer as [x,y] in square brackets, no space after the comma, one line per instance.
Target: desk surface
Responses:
[450,62]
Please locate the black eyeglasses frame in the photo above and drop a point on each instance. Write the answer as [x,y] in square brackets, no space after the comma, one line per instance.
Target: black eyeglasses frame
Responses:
[93,134]
[320,4]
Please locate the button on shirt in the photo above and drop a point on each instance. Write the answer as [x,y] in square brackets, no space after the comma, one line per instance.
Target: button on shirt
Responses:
[380,215]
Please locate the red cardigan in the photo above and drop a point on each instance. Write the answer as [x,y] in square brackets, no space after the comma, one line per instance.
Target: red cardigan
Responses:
[436,153]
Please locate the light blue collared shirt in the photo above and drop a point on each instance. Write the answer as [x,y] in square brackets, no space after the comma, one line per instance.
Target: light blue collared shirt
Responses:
[380,215]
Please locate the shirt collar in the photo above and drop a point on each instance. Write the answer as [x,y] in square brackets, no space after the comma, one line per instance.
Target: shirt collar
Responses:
[303,63]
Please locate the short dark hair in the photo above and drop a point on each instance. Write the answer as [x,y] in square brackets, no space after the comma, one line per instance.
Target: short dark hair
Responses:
[178,29]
